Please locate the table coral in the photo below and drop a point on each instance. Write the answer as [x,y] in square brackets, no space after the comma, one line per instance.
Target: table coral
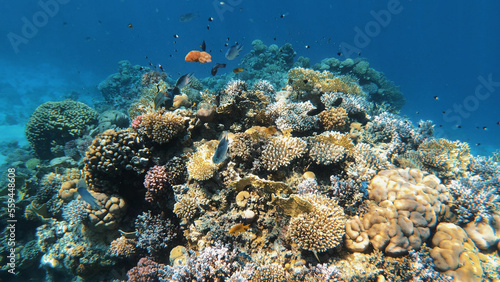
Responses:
[161,126]
[320,229]
[55,123]
[405,205]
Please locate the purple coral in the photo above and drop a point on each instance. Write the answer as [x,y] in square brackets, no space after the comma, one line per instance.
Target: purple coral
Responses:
[154,233]
[156,182]
[145,271]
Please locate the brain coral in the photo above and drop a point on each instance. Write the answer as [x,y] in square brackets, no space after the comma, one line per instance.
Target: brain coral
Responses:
[111,155]
[320,229]
[161,126]
[55,123]
[406,205]
[281,150]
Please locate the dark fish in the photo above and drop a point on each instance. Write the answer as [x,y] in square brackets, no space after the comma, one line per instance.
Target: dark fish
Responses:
[210,19]
[182,82]
[188,17]
[217,66]
[319,108]
[237,70]
[203,46]
[436,98]
[176,36]
[234,51]
[339,53]
[307,46]
[221,152]
[208,27]
[86,196]
[337,102]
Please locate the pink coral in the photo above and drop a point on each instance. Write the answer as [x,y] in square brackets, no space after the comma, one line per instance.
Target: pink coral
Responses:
[136,122]
[156,182]
[146,271]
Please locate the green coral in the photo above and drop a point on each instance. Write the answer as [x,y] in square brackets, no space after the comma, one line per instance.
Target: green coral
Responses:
[55,123]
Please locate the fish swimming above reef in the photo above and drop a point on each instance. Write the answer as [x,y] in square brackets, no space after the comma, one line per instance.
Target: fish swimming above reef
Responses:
[86,196]
[234,51]
[216,67]
[182,82]
[221,152]
[187,17]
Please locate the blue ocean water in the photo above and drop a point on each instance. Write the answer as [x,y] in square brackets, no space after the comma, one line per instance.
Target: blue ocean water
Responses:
[445,49]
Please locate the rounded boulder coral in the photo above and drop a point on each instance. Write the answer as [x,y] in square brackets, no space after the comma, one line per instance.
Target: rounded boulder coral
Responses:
[55,123]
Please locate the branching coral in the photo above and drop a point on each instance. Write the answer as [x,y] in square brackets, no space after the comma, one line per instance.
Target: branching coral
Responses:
[161,126]
[329,147]
[154,233]
[281,150]
[156,183]
[55,123]
[320,229]
[122,247]
[291,115]
[334,119]
[186,208]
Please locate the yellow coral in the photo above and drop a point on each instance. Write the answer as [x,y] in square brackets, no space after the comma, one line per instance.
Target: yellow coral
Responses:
[281,150]
[161,126]
[334,119]
[306,80]
[447,159]
[200,165]
[122,247]
[186,208]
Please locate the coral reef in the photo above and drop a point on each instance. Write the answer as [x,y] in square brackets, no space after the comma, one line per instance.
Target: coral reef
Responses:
[161,126]
[281,150]
[55,123]
[154,233]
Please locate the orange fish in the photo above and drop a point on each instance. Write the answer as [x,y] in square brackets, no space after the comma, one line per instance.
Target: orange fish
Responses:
[237,70]
[238,228]
[197,56]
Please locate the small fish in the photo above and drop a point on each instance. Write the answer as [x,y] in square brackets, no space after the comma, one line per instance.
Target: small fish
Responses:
[459,126]
[86,196]
[339,53]
[319,108]
[176,36]
[436,98]
[208,27]
[130,26]
[485,128]
[498,122]
[478,144]
[237,70]
[234,51]
[160,67]
[182,82]
[203,46]
[307,46]
[337,102]
[217,66]
[221,152]
[188,17]
[210,19]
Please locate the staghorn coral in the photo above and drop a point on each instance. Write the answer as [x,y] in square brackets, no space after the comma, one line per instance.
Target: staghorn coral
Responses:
[113,155]
[367,162]
[280,151]
[154,233]
[161,126]
[329,147]
[474,198]
[122,247]
[334,119]
[405,206]
[348,193]
[200,165]
[355,106]
[291,115]
[55,123]
[320,229]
